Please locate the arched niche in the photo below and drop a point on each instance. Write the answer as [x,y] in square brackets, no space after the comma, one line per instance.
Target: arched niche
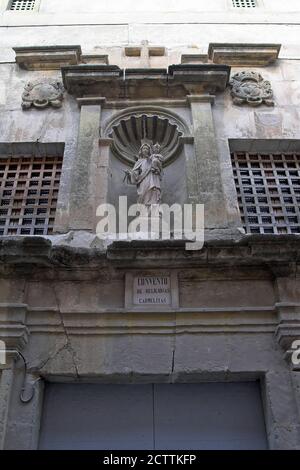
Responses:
[127,129]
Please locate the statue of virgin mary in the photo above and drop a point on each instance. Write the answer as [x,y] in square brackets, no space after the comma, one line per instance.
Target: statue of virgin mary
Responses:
[147,174]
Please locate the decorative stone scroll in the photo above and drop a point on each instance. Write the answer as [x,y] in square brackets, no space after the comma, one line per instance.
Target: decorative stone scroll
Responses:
[42,93]
[251,88]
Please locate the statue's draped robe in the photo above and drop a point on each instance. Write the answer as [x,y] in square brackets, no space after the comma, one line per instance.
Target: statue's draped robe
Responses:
[147,180]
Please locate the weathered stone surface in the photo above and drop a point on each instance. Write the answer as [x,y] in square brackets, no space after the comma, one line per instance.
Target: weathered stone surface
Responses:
[47,58]
[243,54]
[83,203]
[194,58]
[95,59]
[42,93]
[250,88]
[129,131]
[81,329]
[110,81]
[205,173]
[6,381]
[67,292]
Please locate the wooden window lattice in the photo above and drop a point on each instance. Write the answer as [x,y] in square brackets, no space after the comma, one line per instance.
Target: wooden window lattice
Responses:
[28,194]
[22,5]
[244,3]
[268,189]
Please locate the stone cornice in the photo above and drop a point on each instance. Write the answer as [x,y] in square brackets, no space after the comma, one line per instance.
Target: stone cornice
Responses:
[47,57]
[280,255]
[113,83]
[237,54]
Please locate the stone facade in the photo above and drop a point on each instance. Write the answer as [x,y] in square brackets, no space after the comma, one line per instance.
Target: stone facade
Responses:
[66,312]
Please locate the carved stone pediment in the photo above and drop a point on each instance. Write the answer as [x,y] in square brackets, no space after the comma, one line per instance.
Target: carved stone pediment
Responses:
[42,93]
[251,88]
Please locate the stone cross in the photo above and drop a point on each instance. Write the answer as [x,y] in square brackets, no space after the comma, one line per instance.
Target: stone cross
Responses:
[144,51]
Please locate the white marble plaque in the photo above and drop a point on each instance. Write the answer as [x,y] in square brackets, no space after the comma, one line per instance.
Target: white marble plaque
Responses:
[152,290]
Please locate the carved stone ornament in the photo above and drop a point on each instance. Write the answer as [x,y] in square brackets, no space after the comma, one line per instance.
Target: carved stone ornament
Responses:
[251,88]
[42,93]
[147,173]
[129,130]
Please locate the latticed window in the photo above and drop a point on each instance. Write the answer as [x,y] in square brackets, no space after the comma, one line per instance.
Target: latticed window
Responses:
[22,5]
[268,188]
[28,194]
[244,3]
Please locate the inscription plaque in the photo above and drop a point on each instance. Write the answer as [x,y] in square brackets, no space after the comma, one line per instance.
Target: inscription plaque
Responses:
[152,290]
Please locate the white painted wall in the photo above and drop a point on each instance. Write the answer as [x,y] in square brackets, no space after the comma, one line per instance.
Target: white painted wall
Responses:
[174,24]
[78,6]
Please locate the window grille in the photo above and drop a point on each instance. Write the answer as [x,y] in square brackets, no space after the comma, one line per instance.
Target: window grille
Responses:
[22,5]
[268,189]
[244,3]
[28,194]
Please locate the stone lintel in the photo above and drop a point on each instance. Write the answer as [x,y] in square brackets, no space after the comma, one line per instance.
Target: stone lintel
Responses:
[237,54]
[145,83]
[47,57]
[32,148]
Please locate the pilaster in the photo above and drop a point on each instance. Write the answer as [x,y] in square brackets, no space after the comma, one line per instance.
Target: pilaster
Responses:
[204,173]
[85,167]
[6,380]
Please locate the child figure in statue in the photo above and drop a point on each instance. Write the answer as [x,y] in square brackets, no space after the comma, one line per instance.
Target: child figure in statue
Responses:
[146,174]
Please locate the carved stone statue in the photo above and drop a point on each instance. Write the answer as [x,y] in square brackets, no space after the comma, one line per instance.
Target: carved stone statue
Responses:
[251,88]
[147,174]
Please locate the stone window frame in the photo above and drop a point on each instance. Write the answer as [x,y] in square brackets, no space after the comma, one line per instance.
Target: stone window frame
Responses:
[7,4]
